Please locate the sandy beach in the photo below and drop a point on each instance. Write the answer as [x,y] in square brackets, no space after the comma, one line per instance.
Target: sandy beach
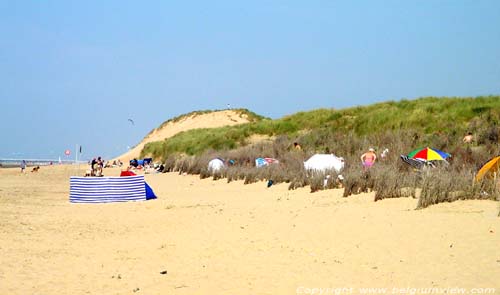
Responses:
[211,237]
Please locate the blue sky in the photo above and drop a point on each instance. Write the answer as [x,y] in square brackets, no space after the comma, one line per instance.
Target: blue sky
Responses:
[73,72]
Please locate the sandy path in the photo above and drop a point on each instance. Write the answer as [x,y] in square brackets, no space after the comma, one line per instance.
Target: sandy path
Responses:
[217,238]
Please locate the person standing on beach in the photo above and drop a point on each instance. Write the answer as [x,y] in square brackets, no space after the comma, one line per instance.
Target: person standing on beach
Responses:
[100,165]
[93,167]
[384,154]
[368,158]
[468,138]
[23,166]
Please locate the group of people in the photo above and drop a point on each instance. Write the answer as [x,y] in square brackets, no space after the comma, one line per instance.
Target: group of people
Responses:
[146,165]
[116,163]
[96,166]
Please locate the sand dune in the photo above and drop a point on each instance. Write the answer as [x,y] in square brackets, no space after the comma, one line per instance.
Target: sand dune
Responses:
[211,237]
[202,120]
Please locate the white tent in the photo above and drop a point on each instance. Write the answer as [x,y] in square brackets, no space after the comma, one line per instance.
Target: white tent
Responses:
[324,162]
[215,165]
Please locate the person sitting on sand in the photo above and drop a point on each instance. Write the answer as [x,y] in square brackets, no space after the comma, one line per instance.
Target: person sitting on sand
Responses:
[160,168]
[368,158]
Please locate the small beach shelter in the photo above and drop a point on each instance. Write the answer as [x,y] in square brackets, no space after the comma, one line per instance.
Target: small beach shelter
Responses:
[109,189]
[324,162]
[489,169]
[215,165]
[150,194]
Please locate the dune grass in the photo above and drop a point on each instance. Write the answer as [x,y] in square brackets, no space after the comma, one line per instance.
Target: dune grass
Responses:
[429,118]
[399,126]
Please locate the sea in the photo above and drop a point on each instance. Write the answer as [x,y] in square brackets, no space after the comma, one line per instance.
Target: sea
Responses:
[9,163]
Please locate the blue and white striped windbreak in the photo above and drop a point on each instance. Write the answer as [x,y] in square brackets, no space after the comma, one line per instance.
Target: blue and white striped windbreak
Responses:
[106,189]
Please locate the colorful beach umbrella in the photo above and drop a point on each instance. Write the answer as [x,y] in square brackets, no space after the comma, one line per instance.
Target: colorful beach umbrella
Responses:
[428,154]
[490,168]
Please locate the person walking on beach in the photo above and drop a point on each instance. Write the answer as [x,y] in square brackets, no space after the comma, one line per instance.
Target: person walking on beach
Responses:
[23,166]
[368,158]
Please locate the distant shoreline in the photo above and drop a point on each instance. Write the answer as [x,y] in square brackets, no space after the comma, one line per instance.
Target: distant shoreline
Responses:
[10,163]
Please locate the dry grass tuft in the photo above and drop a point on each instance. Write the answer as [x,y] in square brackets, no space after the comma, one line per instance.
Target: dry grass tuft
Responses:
[440,186]
[389,177]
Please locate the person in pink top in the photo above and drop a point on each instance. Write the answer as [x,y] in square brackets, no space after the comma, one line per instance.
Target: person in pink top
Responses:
[368,158]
